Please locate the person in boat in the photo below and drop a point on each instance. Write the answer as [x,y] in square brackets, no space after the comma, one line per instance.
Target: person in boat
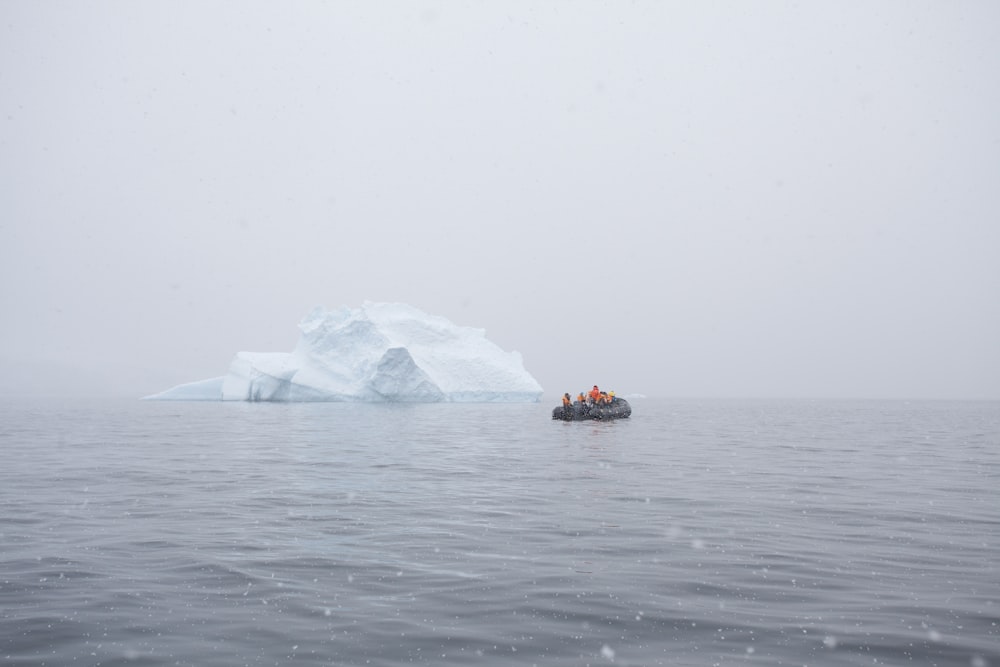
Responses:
[581,398]
[567,401]
[595,394]
[604,399]
[611,397]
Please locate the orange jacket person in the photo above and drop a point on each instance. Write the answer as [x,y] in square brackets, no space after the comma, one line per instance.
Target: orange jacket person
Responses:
[567,401]
[595,394]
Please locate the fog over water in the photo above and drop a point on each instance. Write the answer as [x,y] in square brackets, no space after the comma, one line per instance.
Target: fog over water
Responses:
[763,199]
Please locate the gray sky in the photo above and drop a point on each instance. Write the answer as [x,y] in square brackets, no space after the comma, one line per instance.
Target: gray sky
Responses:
[739,199]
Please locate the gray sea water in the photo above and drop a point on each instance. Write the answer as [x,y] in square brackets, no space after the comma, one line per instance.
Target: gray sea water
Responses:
[694,533]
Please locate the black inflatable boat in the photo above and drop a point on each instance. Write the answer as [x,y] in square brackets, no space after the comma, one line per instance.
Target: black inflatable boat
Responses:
[618,409]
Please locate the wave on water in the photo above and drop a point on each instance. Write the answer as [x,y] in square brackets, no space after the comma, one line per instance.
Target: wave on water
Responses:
[692,533]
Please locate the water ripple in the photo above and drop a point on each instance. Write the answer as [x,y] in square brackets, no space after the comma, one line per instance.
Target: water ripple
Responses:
[696,533]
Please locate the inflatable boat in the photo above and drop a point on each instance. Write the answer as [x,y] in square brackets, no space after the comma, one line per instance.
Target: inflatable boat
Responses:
[617,409]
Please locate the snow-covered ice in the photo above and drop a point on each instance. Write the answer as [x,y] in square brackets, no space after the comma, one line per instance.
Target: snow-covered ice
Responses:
[378,352]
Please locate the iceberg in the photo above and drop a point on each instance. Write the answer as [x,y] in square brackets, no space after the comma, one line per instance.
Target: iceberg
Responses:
[380,352]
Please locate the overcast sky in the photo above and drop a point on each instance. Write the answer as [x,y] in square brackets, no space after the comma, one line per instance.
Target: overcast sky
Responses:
[733,199]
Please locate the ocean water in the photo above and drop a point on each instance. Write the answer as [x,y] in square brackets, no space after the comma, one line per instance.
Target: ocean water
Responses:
[694,533]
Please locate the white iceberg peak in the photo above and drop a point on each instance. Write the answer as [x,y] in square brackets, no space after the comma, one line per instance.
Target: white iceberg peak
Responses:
[378,352]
